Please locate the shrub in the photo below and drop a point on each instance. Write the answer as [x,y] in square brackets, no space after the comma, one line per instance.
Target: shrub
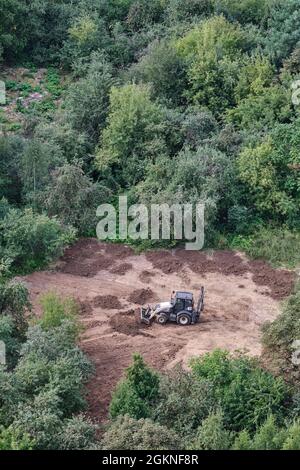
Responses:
[12,439]
[9,336]
[126,433]
[136,393]
[32,240]
[278,338]
[78,433]
[212,435]
[56,310]
[183,402]
[73,198]
[239,385]
[280,246]
[14,302]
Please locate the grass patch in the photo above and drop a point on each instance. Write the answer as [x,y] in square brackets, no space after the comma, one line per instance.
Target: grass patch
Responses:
[280,246]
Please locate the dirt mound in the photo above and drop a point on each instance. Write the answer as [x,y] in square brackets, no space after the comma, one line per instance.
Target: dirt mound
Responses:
[141,296]
[85,307]
[107,301]
[165,261]
[85,269]
[279,281]
[146,276]
[117,250]
[122,269]
[127,323]
[89,256]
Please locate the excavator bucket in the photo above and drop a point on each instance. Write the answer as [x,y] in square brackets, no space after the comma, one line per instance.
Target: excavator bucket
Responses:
[147,315]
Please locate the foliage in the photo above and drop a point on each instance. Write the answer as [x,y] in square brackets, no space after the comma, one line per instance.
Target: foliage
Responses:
[183,402]
[212,435]
[87,100]
[135,394]
[12,439]
[279,246]
[30,240]
[163,68]
[247,11]
[73,197]
[278,338]
[126,433]
[56,310]
[40,396]
[14,302]
[213,54]
[268,170]
[133,135]
[246,393]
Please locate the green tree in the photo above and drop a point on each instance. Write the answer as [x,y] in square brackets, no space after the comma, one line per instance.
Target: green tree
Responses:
[31,240]
[213,52]
[183,402]
[212,435]
[11,150]
[239,385]
[283,31]
[133,136]
[163,68]
[14,302]
[136,393]
[268,170]
[73,197]
[87,100]
[247,11]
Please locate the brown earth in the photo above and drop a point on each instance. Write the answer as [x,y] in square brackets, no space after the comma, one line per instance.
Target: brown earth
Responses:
[240,295]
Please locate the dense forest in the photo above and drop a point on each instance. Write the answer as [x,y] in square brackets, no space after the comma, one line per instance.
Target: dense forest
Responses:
[165,101]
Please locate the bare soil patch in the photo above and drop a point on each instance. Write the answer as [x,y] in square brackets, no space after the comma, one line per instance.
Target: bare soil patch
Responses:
[107,301]
[122,269]
[141,296]
[240,295]
[127,323]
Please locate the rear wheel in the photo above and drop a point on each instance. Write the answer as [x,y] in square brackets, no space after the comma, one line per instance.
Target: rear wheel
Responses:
[183,320]
[162,319]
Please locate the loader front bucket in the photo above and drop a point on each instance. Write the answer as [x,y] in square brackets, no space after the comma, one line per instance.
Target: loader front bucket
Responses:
[146,315]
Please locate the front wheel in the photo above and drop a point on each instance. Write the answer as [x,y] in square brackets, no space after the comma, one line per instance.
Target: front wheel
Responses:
[162,319]
[184,320]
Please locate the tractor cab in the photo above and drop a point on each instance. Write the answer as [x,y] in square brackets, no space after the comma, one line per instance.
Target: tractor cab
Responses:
[182,303]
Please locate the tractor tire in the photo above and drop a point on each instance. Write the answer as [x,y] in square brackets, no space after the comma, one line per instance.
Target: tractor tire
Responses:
[183,319]
[162,319]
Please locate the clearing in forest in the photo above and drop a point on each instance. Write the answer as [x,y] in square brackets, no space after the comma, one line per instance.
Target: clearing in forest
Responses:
[111,282]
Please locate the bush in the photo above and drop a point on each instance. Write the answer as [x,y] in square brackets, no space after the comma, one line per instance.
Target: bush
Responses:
[87,100]
[78,433]
[73,198]
[183,402]
[10,338]
[278,338]
[212,435]
[12,439]
[56,310]
[32,240]
[136,393]
[280,246]
[126,433]
[240,384]
[14,302]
